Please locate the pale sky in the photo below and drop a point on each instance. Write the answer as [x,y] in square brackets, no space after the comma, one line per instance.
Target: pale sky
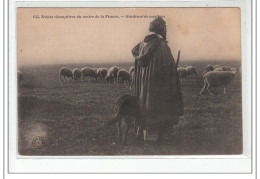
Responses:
[200,34]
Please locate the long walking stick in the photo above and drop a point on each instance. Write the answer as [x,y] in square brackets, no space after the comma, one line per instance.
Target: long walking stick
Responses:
[178,58]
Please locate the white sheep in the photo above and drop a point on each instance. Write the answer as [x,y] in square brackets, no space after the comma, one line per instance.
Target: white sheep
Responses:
[123,75]
[65,72]
[95,69]
[219,69]
[226,68]
[182,73]
[209,68]
[131,69]
[216,79]
[112,74]
[102,73]
[88,72]
[76,74]
[120,68]
[191,70]
[234,69]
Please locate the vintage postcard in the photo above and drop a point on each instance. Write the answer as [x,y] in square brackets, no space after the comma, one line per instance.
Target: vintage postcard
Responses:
[129,81]
[152,87]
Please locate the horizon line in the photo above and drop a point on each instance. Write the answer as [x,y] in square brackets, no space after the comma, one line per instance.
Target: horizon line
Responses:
[125,62]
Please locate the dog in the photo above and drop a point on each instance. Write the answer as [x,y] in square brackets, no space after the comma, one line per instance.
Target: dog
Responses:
[126,116]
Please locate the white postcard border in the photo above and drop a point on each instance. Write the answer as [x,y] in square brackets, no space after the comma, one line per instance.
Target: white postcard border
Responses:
[133,164]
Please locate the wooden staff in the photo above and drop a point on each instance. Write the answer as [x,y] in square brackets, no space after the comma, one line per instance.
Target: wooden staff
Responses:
[178,58]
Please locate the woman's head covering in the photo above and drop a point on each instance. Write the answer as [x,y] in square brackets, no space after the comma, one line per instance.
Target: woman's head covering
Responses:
[158,26]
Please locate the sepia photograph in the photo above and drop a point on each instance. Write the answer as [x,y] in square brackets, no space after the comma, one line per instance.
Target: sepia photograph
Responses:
[129,81]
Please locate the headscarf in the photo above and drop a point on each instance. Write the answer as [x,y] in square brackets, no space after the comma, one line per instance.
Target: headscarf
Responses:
[158,26]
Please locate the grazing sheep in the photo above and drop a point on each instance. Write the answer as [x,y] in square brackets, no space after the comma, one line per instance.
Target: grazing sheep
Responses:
[125,112]
[234,69]
[95,69]
[208,68]
[226,68]
[219,69]
[216,79]
[120,68]
[131,69]
[76,74]
[65,72]
[88,72]
[112,74]
[102,73]
[191,70]
[182,73]
[212,68]
[123,75]
[19,76]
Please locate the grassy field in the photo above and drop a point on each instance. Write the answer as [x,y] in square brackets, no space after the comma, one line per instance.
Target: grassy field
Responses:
[71,117]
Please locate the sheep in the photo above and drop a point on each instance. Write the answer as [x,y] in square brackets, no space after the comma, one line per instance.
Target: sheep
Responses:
[88,72]
[19,76]
[182,73]
[212,68]
[131,69]
[191,70]
[123,75]
[234,69]
[102,73]
[208,68]
[219,69]
[65,72]
[76,74]
[120,68]
[226,68]
[96,70]
[112,74]
[125,116]
[216,79]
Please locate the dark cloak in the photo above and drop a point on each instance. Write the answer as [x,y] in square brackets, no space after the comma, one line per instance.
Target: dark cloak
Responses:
[157,86]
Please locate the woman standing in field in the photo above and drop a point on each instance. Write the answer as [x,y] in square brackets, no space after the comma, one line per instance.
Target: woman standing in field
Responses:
[157,87]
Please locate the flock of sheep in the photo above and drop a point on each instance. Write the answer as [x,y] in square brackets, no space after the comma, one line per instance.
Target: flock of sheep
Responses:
[185,72]
[213,76]
[114,74]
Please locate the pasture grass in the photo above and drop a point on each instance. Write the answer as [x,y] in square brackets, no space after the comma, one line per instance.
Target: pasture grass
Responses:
[72,117]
